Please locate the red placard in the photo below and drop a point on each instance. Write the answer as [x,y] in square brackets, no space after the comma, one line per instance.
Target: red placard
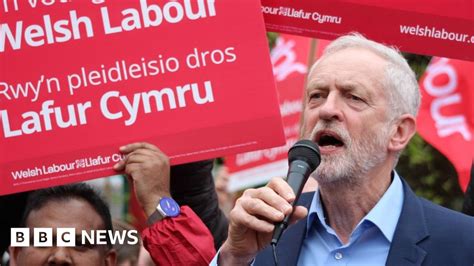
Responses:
[78,79]
[289,57]
[442,28]
[446,118]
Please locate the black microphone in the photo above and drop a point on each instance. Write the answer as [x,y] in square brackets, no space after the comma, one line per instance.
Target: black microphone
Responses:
[303,158]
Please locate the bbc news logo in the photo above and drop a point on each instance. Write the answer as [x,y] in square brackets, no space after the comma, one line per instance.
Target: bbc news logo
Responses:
[67,237]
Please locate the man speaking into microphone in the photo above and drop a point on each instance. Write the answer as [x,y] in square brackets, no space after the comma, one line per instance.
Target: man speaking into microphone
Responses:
[359,108]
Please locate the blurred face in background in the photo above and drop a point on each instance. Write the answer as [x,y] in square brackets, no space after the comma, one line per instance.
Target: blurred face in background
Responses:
[72,213]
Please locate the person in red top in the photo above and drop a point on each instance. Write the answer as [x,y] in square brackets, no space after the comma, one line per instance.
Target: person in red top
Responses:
[182,240]
[176,235]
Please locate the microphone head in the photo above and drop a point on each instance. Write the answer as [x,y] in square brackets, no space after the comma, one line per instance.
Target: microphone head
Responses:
[307,151]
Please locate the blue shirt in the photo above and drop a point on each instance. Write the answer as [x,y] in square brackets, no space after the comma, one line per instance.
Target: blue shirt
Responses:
[370,241]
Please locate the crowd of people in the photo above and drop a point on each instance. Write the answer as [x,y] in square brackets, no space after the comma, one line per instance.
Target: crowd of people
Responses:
[360,106]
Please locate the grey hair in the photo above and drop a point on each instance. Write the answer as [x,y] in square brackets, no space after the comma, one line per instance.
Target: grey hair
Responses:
[400,80]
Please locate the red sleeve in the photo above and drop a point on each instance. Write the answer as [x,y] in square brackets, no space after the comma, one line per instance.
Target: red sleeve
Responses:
[182,240]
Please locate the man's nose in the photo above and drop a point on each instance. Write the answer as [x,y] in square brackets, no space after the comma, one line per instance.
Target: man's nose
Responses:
[331,108]
[60,256]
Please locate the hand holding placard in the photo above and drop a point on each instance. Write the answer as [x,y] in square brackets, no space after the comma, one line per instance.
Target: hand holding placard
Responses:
[148,170]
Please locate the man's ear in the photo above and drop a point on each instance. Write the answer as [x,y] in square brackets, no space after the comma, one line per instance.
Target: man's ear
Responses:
[13,255]
[404,129]
[111,257]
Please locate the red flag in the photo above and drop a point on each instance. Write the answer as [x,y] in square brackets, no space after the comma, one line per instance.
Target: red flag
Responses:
[446,118]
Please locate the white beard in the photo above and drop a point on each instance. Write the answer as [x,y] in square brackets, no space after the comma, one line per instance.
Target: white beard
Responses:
[355,162]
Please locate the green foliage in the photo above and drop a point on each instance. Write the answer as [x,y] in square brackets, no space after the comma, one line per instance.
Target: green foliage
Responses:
[271,36]
[418,63]
[430,174]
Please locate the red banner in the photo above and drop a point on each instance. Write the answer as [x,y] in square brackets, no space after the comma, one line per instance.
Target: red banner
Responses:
[78,79]
[442,28]
[289,57]
[446,118]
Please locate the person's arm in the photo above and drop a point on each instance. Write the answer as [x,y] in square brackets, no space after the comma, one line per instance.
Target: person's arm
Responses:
[192,184]
[182,240]
[148,171]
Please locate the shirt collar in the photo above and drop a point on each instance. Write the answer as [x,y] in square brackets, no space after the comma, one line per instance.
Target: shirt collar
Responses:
[384,214]
[316,212]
